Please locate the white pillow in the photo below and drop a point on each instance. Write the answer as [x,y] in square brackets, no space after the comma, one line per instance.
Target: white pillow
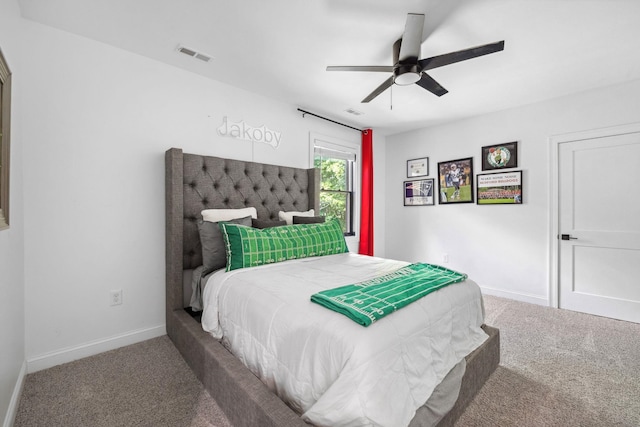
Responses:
[215,215]
[288,216]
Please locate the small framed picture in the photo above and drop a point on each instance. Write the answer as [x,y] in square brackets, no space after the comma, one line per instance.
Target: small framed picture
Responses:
[455,181]
[417,167]
[500,188]
[419,192]
[502,156]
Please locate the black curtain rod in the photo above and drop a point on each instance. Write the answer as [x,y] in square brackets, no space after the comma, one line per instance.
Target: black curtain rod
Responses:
[329,120]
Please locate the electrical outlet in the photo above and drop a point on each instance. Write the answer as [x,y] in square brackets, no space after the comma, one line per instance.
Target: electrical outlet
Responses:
[445,258]
[116,297]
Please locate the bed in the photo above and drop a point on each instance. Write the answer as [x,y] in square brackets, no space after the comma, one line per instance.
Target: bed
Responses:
[194,183]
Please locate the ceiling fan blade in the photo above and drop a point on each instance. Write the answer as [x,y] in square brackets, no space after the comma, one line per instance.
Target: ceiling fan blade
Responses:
[427,82]
[376,68]
[412,37]
[461,55]
[384,86]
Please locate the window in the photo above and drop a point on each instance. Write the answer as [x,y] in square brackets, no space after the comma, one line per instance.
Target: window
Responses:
[337,164]
[5,116]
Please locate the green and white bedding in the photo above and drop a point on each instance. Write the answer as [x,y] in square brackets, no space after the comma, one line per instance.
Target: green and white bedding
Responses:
[371,300]
[328,368]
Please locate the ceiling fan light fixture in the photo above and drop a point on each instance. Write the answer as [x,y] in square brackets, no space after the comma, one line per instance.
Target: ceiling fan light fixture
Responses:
[407,79]
[406,74]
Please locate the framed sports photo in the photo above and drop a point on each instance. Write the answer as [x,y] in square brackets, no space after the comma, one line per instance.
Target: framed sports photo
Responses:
[502,156]
[417,167]
[455,181]
[419,192]
[500,188]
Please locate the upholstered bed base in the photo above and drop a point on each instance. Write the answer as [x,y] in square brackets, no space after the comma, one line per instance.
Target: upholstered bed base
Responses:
[247,402]
[242,396]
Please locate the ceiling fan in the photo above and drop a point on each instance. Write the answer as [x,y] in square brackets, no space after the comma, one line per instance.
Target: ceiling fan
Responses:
[408,69]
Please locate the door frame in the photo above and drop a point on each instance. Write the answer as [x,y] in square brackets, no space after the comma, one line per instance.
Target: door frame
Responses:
[554,148]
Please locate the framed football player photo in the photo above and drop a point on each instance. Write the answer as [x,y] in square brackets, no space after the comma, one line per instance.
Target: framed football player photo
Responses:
[455,181]
[501,156]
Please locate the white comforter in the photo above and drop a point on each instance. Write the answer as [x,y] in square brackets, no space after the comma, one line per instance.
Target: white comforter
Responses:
[327,367]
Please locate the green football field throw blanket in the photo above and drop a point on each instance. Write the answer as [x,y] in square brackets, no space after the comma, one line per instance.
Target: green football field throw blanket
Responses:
[368,301]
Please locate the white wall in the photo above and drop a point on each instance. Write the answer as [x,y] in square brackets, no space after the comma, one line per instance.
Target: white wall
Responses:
[12,239]
[379,196]
[504,248]
[97,123]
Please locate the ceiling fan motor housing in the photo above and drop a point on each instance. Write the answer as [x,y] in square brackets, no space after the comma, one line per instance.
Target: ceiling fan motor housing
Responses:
[405,72]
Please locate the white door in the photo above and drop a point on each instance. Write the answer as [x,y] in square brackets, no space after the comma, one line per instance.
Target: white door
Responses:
[599,212]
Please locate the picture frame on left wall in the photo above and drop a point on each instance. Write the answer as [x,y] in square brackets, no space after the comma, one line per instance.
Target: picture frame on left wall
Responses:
[499,188]
[418,167]
[419,192]
[455,181]
[500,156]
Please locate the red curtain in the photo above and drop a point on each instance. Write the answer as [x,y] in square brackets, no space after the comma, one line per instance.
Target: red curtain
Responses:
[366,205]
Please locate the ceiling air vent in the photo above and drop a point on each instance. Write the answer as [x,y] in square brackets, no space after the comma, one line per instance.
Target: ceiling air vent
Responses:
[194,54]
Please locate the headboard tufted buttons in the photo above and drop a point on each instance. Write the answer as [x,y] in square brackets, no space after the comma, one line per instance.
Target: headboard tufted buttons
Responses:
[210,182]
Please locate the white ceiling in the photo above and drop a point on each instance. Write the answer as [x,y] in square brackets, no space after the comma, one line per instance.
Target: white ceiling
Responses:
[280,48]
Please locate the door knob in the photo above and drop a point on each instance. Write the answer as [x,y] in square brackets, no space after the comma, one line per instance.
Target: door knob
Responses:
[568,237]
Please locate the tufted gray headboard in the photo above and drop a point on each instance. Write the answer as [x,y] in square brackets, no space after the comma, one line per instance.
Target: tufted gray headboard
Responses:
[194,183]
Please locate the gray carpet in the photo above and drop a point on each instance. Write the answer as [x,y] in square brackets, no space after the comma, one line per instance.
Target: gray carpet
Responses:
[558,368]
[145,384]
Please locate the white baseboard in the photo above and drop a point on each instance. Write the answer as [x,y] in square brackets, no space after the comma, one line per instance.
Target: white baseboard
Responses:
[91,348]
[518,296]
[10,417]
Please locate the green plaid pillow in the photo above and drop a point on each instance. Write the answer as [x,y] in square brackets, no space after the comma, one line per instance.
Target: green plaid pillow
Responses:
[251,247]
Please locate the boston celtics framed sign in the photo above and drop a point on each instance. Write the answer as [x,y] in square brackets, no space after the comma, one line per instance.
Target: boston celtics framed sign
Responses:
[502,156]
